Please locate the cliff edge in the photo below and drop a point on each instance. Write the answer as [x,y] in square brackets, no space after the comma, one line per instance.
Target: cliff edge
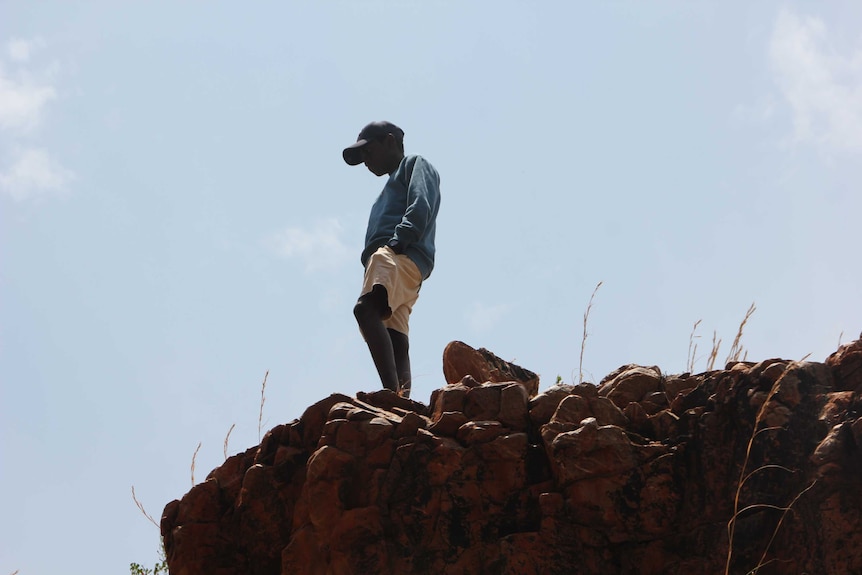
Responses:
[751,468]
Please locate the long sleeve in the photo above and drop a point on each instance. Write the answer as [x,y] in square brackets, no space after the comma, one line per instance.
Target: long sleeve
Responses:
[406,212]
[423,201]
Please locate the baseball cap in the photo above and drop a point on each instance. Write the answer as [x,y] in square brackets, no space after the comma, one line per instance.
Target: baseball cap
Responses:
[352,154]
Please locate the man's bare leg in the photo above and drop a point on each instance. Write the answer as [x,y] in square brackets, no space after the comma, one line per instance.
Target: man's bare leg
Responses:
[401,351]
[370,311]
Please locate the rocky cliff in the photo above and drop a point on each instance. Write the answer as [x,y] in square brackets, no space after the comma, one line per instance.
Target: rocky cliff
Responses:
[752,468]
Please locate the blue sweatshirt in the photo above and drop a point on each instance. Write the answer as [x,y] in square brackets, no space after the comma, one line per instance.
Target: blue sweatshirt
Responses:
[406,211]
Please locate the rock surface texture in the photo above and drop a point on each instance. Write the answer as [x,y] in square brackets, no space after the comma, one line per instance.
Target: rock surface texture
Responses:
[754,466]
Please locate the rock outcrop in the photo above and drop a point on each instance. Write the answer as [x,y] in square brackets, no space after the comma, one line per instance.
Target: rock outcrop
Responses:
[754,467]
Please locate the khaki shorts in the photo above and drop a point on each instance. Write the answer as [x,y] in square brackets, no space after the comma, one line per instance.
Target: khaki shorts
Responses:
[402,280]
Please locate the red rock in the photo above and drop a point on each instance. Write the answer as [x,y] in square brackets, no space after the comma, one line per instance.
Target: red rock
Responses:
[474,432]
[834,409]
[459,360]
[327,470]
[846,365]
[654,402]
[664,425]
[483,402]
[833,447]
[202,504]
[572,409]
[448,423]
[448,399]
[543,406]
[411,423]
[379,484]
[632,384]
[575,408]
[638,418]
[514,412]
[391,402]
[607,413]
[673,385]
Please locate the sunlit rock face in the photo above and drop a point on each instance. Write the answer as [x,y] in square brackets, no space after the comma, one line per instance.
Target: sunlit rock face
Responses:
[757,464]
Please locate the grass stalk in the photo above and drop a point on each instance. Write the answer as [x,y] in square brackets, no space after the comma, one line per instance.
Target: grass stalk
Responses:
[744,477]
[141,507]
[785,510]
[692,347]
[194,457]
[736,348]
[584,338]
[262,401]
[713,354]
[226,438]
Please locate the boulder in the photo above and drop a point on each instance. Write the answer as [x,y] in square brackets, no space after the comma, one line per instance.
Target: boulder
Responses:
[460,360]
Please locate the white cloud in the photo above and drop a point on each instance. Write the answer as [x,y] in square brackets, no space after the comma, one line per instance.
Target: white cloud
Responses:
[822,86]
[28,171]
[483,317]
[33,173]
[22,102]
[318,246]
[22,97]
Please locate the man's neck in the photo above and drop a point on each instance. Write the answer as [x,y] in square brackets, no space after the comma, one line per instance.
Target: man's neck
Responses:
[395,163]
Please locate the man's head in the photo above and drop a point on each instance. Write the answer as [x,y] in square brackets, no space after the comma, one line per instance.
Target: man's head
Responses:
[380,145]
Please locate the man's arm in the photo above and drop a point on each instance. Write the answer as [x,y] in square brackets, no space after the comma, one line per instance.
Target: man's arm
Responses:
[423,197]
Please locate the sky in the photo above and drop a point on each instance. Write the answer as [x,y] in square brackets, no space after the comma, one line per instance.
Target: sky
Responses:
[177,224]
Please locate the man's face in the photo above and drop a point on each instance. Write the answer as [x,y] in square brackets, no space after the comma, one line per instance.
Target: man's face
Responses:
[381,156]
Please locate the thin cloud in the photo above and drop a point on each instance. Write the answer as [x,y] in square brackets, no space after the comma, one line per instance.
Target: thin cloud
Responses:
[319,246]
[19,50]
[33,173]
[822,86]
[482,317]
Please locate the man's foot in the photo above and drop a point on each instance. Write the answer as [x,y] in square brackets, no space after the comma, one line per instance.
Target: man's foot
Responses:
[404,392]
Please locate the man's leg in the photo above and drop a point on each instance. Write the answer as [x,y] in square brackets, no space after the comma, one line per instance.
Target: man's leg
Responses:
[370,311]
[401,351]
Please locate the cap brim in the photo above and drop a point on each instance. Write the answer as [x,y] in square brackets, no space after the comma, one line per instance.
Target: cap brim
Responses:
[353,154]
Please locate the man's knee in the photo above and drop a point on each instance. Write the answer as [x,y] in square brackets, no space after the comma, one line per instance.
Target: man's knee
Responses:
[374,304]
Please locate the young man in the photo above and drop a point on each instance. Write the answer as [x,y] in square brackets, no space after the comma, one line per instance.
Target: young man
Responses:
[399,247]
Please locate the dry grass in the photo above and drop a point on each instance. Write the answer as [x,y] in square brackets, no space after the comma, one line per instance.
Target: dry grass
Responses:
[584,338]
[744,477]
[713,354]
[194,457]
[262,401]
[736,350]
[226,438]
[141,507]
[692,347]
[763,562]
[198,448]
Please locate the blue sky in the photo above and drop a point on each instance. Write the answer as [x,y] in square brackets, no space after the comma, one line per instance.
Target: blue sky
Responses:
[176,219]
